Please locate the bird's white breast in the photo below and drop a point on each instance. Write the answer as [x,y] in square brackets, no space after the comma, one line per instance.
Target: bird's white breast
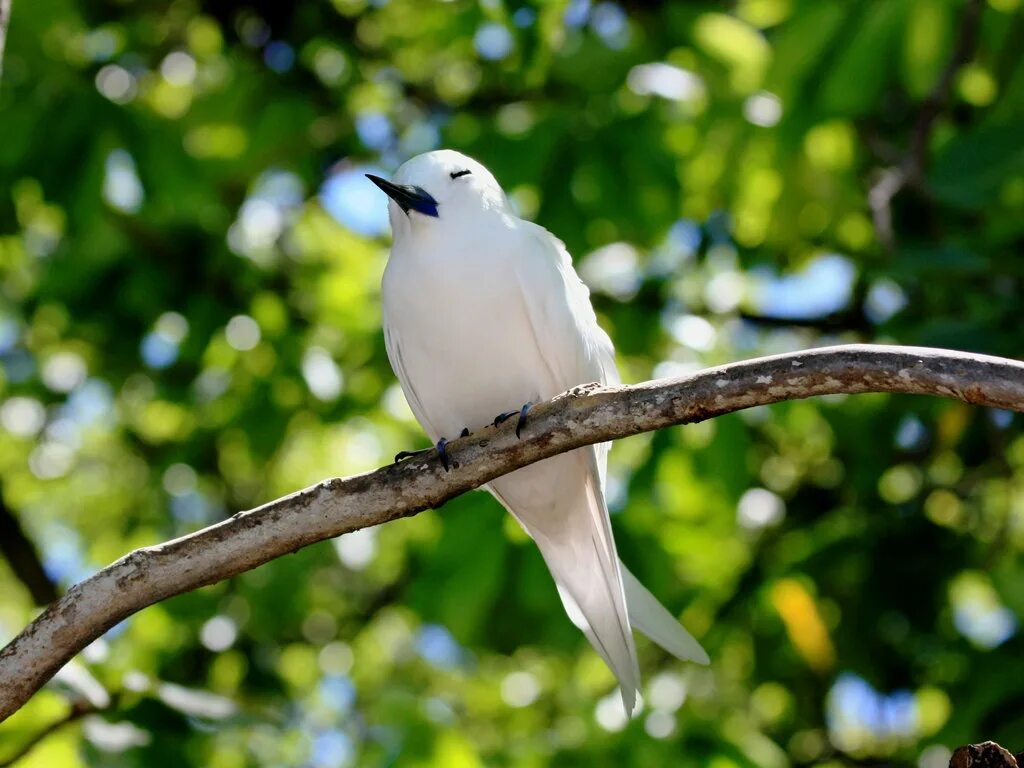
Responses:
[459,334]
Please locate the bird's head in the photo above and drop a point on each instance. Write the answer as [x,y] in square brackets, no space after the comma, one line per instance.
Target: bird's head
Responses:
[440,188]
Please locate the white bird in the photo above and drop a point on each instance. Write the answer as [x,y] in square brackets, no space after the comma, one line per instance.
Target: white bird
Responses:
[482,312]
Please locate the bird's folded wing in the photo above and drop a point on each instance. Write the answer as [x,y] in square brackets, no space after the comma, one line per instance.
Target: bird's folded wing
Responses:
[580,351]
[574,534]
[575,347]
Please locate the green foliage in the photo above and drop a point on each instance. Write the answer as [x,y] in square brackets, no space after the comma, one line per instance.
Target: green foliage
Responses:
[190,325]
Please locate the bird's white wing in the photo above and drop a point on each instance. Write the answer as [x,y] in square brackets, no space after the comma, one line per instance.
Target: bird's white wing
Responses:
[579,351]
[575,347]
[569,522]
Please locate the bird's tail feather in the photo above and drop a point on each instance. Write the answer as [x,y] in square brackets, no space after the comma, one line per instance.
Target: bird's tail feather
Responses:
[587,592]
[576,542]
[652,619]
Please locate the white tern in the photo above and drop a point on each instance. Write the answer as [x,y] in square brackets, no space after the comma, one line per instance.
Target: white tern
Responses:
[483,312]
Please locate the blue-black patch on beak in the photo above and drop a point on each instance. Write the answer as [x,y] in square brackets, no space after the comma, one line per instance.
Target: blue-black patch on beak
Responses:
[409,198]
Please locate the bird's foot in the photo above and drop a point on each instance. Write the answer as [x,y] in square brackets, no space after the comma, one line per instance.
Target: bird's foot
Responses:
[441,449]
[520,422]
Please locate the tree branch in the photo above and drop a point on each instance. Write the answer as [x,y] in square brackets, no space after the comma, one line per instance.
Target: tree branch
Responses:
[78,710]
[23,558]
[891,181]
[963,50]
[585,415]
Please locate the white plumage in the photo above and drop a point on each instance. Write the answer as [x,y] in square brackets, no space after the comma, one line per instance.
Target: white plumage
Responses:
[483,312]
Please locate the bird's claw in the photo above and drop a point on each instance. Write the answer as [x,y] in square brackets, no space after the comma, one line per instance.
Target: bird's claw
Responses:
[402,455]
[520,422]
[441,448]
[501,418]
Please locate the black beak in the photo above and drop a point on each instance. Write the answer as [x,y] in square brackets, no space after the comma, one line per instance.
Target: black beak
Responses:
[409,198]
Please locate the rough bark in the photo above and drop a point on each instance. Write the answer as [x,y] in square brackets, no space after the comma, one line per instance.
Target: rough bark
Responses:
[586,414]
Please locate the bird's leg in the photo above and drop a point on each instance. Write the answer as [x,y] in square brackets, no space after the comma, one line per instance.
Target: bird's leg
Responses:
[442,453]
[520,422]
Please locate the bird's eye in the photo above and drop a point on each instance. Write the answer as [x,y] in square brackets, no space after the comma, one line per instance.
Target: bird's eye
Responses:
[456,174]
